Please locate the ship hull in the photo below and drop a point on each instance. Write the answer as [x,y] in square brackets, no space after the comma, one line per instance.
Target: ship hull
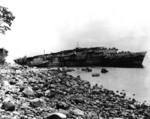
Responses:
[87,57]
[135,62]
[130,62]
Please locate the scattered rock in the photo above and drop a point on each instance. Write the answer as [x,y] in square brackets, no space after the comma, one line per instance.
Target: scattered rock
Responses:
[57,116]
[39,117]
[23,117]
[62,105]
[78,100]
[37,93]
[12,81]
[104,70]
[95,74]
[38,102]
[91,115]
[87,69]
[66,112]
[5,117]
[77,112]
[131,106]
[28,92]
[8,106]
[25,106]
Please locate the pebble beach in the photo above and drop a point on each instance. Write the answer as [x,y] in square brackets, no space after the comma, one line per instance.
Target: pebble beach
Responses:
[39,93]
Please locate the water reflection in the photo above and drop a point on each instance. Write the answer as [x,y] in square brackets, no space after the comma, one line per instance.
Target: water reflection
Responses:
[132,80]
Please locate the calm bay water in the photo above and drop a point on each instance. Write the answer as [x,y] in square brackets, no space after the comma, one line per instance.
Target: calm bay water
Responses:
[132,80]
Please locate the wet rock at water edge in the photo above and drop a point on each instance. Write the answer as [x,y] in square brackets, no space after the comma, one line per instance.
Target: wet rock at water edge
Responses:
[43,92]
[66,112]
[87,69]
[104,70]
[95,74]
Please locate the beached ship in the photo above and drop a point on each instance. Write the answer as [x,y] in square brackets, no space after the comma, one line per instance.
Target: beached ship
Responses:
[94,56]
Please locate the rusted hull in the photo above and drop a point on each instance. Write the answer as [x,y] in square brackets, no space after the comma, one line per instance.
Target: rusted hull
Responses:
[78,58]
[135,62]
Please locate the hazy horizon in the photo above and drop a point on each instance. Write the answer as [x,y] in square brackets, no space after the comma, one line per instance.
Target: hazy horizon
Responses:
[53,26]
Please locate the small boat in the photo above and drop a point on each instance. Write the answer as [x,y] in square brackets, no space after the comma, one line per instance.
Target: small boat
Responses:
[104,70]
[95,74]
[87,69]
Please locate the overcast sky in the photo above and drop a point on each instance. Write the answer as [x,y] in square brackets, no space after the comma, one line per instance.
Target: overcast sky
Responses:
[54,25]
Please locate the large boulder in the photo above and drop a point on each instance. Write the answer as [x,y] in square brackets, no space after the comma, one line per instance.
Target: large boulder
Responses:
[8,106]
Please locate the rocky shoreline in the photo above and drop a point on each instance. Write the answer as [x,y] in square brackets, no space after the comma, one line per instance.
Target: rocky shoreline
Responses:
[37,93]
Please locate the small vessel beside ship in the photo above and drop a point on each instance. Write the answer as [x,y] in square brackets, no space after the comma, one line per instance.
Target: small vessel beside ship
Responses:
[78,57]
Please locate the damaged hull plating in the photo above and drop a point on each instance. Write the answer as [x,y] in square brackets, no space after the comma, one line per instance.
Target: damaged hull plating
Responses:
[95,56]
